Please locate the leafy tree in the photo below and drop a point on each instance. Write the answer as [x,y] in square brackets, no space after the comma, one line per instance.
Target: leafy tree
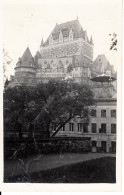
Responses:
[15,105]
[113,41]
[49,104]
[6,82]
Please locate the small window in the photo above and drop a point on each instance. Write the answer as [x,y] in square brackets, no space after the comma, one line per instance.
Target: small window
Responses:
[93,127]
[93,143]
[53,126]
[103,113]
[113,113]
[63,128]
[80,126]
[85,127]
[93,113]
[103,128]
[113,128]
[71,126]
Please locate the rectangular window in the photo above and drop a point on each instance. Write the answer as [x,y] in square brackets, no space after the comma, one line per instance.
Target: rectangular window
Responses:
[85,127]
[63,128]
[103,128]
[113,128]
[71,126]
[80,126]
[93,113]
[113,113]
[103,113]
[93,127]
[93,143]
[53,126]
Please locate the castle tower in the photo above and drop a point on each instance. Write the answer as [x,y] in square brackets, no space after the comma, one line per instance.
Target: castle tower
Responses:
[25,69]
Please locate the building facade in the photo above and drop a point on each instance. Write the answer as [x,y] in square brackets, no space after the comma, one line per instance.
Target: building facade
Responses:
[67,51]
[101,128]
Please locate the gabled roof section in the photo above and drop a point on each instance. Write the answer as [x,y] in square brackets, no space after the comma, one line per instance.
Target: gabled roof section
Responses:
[65,28]
[100,61]
[103,59]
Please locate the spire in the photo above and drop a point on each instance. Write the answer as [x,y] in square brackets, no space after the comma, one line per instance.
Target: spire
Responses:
[81,32]
[91,40]
[41,42]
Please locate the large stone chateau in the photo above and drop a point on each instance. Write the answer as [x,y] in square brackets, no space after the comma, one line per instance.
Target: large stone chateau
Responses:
[68,54]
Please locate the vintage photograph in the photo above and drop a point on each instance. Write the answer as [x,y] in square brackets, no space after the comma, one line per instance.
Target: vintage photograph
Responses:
[60,73]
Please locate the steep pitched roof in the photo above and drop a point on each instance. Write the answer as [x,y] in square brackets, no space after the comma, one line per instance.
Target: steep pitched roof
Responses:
[65,28]
[74,25]
[26,59]
[101,59]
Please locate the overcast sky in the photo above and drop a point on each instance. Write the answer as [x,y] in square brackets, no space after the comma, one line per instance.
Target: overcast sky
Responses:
[24,24]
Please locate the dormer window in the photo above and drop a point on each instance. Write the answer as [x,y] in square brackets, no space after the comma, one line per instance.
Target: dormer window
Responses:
[108,72]
[51,40]
[71,35]
[102,69]
[60,37]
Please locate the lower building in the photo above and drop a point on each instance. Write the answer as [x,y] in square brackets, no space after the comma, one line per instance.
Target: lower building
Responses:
[101,128]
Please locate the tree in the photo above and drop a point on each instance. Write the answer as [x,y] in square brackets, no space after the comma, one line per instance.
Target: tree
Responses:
[113,41]
[7,61]
[48,104]
[15,105]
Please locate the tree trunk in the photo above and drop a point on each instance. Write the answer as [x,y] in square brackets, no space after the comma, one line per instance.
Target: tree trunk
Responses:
[61,126]
[47,129]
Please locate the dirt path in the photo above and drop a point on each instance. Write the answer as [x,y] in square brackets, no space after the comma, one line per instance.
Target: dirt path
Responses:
[45,162]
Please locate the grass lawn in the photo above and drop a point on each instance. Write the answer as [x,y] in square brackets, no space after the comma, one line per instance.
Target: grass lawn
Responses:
[101,170]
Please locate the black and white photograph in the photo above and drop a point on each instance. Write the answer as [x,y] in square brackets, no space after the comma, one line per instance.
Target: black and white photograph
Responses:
[61,66]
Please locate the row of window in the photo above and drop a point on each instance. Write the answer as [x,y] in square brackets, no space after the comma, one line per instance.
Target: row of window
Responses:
[61,51]
[25,80]
[83,127]
[60,40]
[49,75]
[103,113]
[103,128]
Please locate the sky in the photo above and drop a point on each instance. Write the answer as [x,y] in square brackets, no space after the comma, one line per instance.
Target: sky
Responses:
[25,23]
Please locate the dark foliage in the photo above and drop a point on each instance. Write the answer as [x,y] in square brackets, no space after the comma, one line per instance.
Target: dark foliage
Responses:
[113,41]
[35,109]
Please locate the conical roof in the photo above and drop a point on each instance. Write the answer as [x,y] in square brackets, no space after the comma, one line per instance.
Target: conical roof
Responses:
[27,59]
